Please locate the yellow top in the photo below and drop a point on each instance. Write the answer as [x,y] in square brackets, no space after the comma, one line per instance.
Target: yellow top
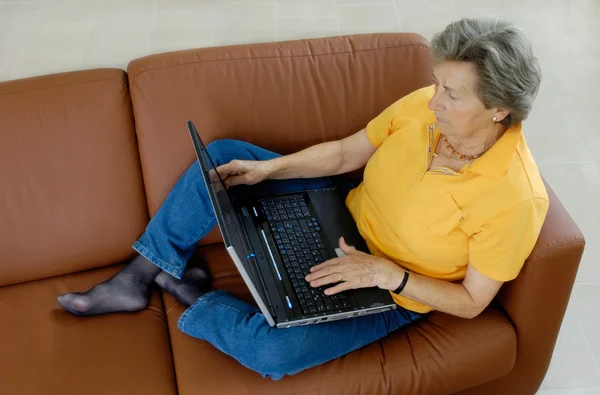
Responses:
[436,222]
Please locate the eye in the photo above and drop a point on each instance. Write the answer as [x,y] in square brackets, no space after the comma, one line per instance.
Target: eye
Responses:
[451,97]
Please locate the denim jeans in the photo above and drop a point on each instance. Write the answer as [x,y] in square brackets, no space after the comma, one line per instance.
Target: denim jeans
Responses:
[229,324]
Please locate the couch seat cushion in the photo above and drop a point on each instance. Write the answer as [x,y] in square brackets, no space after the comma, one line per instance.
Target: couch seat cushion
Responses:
[45,350]
[441,355]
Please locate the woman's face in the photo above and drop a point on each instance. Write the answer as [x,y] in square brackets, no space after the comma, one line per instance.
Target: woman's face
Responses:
[457,107]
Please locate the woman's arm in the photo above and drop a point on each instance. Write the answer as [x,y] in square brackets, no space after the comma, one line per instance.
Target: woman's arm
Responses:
[360,270]
[466,300]
[325,159]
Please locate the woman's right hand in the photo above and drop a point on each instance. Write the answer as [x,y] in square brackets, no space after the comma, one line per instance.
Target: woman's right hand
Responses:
[247,172]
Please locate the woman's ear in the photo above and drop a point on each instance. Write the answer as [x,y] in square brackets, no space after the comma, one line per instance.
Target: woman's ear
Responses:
[500,114]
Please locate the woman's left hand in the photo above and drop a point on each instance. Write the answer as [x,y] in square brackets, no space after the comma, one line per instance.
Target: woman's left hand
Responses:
[355,270]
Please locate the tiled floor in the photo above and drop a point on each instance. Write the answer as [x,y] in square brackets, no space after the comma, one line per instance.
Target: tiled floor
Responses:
[45,36]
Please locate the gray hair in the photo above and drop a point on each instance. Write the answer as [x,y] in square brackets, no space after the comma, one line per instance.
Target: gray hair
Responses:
[508,72]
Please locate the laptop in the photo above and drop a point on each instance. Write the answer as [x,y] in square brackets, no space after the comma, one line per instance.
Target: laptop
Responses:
[274,240]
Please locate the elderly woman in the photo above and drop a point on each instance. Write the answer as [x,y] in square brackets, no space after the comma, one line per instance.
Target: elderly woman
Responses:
[451,206]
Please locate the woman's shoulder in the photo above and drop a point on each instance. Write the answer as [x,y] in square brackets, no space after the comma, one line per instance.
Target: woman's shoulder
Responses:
[524,164]
[416,101]
[412,111]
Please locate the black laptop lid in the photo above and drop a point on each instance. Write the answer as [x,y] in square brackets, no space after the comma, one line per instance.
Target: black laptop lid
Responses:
[231,228]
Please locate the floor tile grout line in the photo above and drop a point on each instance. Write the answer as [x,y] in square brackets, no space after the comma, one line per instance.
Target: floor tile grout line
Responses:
[543,163]
[213,28]
[575,387]
[337,17]
[27,35]
[87,39]
[397,15]
[217,18]
[153,27]
[587,342]
[27,38]
[276,25]
[305,17]
[570,115]
[365,5]
[247,3]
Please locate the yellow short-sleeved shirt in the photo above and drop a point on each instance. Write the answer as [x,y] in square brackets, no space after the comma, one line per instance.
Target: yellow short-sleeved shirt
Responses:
[436,222]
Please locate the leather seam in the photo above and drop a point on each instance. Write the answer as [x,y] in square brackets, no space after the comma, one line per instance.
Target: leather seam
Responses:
[509,328]
[388,367]
[120,82]
[552,247]
[279,57]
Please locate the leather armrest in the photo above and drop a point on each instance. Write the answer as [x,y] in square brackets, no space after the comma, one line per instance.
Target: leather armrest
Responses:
[537,299]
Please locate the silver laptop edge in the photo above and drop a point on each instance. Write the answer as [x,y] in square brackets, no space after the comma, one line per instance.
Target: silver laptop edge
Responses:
[261,305]
[232,252]
[332,317]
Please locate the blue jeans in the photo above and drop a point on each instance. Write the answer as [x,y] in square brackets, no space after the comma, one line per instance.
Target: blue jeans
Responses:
[229,324]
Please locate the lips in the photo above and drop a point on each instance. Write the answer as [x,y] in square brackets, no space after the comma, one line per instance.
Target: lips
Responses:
[440,120]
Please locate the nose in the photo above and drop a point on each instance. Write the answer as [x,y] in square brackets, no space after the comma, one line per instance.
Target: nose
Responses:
[435,102]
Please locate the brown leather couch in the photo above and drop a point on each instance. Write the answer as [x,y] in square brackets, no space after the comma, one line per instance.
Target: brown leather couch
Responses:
[86,158]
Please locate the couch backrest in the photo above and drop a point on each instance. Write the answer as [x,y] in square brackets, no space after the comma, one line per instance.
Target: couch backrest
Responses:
[71,192]
[283,97]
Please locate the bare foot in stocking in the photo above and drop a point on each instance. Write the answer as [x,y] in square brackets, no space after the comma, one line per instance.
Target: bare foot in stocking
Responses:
[194,283]
[127,291]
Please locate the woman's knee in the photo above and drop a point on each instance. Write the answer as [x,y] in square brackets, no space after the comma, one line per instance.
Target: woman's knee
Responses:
[223,151]
[219,144]
[272,363]
[271,359]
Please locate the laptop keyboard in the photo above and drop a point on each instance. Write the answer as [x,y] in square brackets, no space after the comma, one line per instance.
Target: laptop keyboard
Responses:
[297,236]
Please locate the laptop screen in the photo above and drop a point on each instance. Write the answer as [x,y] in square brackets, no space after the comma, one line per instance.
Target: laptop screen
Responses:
[230,225]
[234,235]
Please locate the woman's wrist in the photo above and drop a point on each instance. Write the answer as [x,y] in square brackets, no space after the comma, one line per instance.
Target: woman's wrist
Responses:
[274,167]
[395,278]
[402,285]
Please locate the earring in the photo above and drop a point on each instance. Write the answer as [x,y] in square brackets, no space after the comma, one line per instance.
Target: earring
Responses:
[495,118]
